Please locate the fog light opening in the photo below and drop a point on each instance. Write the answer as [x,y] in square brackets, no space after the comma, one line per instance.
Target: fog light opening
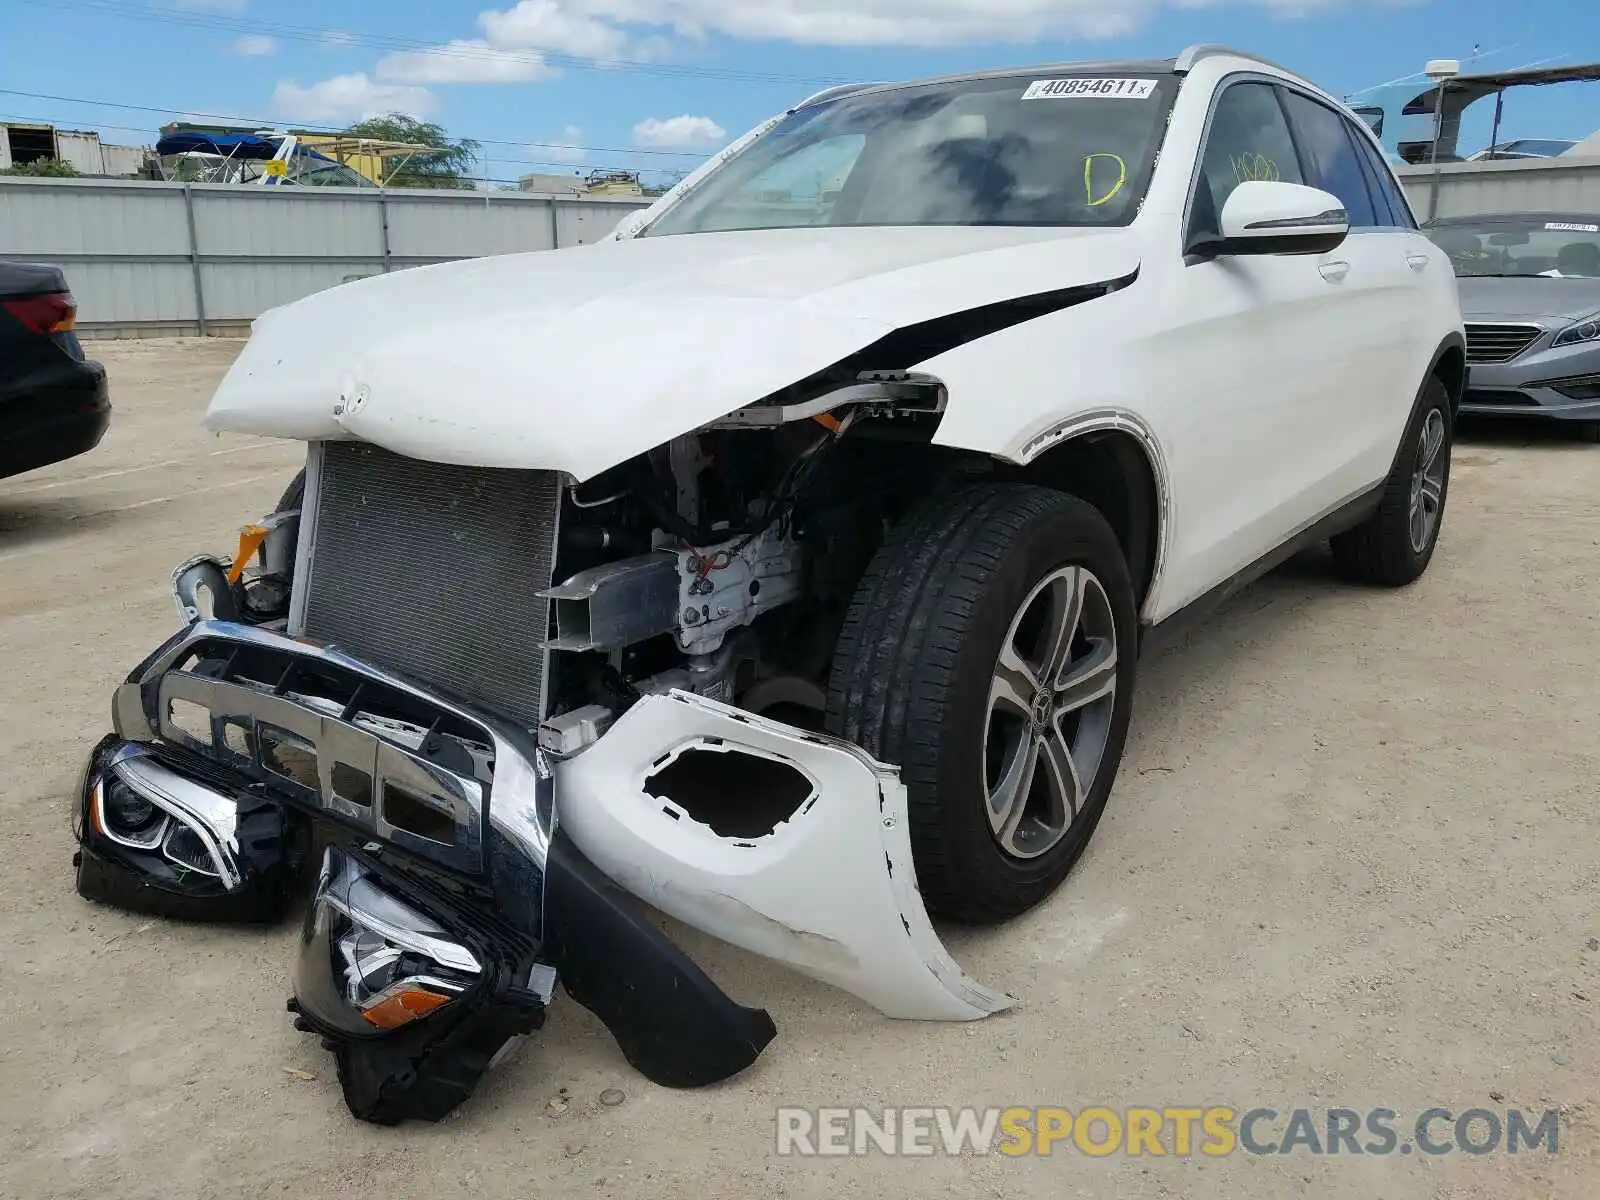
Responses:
[735,793]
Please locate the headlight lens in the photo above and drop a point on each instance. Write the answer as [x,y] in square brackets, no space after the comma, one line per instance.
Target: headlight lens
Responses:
[1586,331]
[387,963]
[128,817]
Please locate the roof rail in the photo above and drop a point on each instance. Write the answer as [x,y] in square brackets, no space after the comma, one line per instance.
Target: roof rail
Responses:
[1194,54]
[841,89]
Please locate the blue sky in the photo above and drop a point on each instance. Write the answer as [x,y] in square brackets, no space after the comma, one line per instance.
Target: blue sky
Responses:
[569,85]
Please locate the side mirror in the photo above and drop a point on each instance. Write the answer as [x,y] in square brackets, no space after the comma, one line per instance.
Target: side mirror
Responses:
[1262,217]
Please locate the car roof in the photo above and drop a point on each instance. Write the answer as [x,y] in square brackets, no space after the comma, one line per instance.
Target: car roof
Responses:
[1179,65]
[1135,66]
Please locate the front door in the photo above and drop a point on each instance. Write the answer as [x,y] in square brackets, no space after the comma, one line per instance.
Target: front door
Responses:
[1252,345]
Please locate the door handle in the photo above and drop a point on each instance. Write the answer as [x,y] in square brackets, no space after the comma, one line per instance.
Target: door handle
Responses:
[1334,272]
[1418,262]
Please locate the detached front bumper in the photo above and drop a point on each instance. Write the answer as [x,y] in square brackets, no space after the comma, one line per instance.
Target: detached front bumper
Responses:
[462,871]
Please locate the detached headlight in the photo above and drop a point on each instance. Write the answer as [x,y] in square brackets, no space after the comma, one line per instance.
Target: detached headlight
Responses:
[415,994]
[155,838]
[386,962]
[1584,331]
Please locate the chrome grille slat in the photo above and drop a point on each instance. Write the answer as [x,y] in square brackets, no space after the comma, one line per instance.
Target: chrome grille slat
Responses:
[1489,343]
[434,571]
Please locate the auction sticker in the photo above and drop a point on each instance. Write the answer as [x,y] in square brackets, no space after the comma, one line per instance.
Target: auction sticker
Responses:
[1570,227]
[1090,87]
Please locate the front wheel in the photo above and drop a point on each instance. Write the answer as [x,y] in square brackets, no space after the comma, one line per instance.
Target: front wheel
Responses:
[989,653]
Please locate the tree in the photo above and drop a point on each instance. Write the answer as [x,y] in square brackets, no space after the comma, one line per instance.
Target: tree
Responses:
[447,166]
[44,168]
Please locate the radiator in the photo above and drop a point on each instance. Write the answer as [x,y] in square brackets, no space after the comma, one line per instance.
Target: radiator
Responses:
[432,571]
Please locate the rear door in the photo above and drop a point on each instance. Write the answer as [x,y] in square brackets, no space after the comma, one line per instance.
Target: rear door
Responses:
[1365,416]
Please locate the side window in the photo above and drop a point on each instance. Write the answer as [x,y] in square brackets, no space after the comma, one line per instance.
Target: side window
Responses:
[1248,140]
[1384,184]
[1331,156]
[1380,199]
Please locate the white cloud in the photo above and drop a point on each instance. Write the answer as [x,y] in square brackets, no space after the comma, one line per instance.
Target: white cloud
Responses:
[348,98]
[461,61]
[254,45]
[602,29]
[678,133]
[561,26]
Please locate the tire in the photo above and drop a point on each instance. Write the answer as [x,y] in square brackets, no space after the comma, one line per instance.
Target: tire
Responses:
[915,676]
[294,495]
[1590,432]
[1385,550]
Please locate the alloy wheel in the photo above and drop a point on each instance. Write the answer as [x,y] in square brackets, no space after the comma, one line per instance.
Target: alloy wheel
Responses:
[1427,481]
[1049,715]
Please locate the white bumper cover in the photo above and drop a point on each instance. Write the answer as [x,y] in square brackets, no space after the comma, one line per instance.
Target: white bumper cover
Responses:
[831,892]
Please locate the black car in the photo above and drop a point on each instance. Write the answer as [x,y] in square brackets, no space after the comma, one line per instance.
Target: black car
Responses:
[54,404]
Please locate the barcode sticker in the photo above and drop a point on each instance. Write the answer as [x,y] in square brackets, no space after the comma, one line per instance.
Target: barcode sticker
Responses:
[1571,227]
[1090,87]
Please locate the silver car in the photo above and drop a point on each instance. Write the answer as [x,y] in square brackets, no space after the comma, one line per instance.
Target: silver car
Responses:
[1530,292]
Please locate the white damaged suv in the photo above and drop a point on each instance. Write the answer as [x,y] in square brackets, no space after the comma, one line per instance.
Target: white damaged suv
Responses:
[783,560]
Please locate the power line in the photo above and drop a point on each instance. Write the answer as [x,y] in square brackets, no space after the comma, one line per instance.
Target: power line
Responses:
[327,36]
[265,123]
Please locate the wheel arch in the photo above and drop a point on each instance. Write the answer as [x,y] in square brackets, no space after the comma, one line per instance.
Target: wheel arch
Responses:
[1112,460]
[1449,367]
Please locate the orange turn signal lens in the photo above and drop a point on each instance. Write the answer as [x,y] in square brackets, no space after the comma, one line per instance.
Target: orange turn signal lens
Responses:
[250,539]
[402,1006]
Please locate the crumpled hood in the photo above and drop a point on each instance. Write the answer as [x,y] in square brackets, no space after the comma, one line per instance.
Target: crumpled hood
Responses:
[578,359]
[1550,300]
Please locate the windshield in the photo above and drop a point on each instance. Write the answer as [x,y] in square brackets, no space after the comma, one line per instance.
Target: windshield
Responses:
[1075,149]
[1555,247]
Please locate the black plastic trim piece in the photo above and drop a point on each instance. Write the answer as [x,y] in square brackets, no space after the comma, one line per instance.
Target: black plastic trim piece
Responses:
[1347,515]
[673,1024]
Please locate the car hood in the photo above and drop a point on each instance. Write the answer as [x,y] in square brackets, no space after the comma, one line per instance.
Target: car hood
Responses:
[578,359]
[1550,300]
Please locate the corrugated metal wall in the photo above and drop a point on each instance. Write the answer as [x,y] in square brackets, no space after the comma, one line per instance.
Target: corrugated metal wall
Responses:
[1527,185]
[152,258]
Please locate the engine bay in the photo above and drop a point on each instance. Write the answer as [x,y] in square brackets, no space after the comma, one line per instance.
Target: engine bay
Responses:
[721,563]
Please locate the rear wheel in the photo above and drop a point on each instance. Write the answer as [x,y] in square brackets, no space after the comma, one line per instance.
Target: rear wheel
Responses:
[1394,546]
[989,654]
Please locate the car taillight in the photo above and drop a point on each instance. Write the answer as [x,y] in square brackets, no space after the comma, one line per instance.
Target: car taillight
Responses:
[50,312]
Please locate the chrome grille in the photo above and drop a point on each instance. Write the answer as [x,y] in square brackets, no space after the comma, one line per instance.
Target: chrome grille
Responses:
[434,571]
[1499,343]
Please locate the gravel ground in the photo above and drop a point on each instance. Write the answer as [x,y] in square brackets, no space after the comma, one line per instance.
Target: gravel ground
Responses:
[1351,861]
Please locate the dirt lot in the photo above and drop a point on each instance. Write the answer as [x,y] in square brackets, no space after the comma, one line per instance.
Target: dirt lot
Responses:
[1353,860]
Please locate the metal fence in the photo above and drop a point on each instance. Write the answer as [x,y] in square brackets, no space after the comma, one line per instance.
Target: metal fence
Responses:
[151,259]
[157,259]
[1515,185]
